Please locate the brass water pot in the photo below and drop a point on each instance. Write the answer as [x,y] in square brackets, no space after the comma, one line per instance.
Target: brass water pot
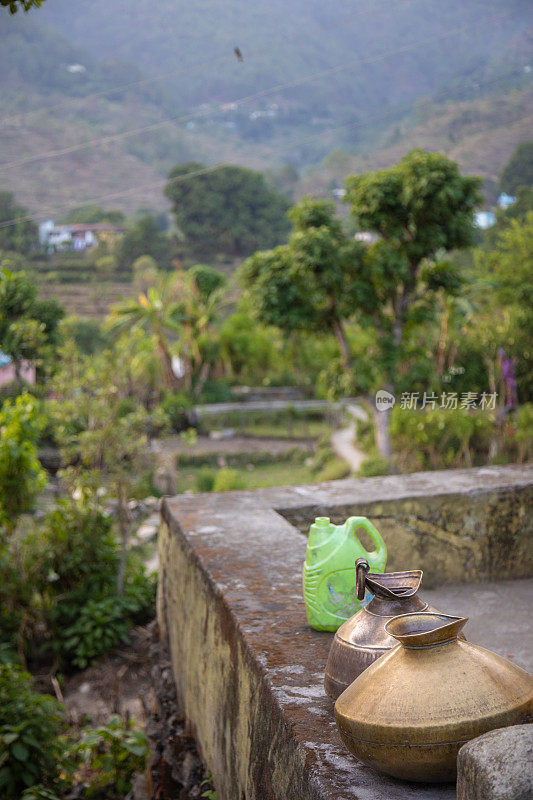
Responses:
[412,709]
[362,639]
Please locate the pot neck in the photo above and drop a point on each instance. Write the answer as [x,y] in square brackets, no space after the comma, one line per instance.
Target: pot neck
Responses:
[420,631]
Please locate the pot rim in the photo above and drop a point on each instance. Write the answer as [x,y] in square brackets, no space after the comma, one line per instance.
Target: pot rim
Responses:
[420,630]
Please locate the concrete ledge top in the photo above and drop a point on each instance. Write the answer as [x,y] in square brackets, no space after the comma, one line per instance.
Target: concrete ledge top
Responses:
[366,490]
[252,559]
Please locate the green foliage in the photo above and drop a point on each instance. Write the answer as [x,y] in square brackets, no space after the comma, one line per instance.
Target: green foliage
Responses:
[373,466]
[93,214]
[519,169]
[207,280]
[419,206]
[39,792]
[523,434]
[80,558]
[25,5]
[228,210]
[87,334]
[440,438]
[334,469]
[28,326]
[99,626]
[113,753]
[21,475]
[144,239]
[227,480]
[315,281]
[502,291]
[23,235]
[215,392]
[204,480]
[30,741]
[177,406]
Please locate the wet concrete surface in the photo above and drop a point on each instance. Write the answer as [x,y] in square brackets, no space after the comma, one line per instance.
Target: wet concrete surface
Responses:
[500,615]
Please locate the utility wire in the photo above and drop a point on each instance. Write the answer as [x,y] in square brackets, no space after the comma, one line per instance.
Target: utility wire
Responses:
[287,146]
[202,65]
[250,98]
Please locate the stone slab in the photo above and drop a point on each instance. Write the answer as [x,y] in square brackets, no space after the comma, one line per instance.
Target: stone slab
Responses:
[497,765]
[248,668]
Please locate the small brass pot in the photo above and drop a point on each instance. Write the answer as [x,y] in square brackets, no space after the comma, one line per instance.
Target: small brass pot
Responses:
[362,639]
[410,712]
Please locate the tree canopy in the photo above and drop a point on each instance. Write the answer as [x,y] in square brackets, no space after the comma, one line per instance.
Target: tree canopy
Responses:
[229,210]
[144,239]
[28,326]
[315,281]
[519,169]
[20,236]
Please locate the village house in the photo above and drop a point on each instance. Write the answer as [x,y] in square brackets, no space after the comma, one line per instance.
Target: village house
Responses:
[76,236]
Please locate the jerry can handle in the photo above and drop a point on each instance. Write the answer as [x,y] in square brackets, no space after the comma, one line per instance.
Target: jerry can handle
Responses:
[361,568]
[353,523]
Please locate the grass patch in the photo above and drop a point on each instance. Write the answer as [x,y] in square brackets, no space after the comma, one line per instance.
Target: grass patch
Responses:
[256,477]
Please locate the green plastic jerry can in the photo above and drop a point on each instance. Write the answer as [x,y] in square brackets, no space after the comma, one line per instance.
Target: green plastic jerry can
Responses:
[329,570]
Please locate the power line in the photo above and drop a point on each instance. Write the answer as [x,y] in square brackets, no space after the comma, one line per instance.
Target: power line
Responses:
[250,98]
[287,146]
[209,63]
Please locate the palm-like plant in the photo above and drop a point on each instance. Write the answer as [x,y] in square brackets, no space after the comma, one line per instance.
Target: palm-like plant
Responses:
[158,311]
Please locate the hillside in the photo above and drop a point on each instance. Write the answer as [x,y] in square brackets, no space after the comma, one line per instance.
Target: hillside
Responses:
[480,135]
[314,78]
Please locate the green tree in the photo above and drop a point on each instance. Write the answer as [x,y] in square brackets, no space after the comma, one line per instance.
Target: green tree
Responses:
[419,208]
[519,169]
[100,431]
[94,214]
[144,239]
[21,475]
[228,210]
[502,294]
[22,235]
[28,326]
[313,283]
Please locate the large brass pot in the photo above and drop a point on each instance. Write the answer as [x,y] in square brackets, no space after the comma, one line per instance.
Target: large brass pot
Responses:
[412,709]
[362,639]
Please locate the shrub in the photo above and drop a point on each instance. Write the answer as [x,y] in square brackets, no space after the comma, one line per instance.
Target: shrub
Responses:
[523,434]
[30,726]
[334,470]
[113,754]
[176,407]
[228,479]
[79,567]
[215,392]
[373,466]
[98,627]
[204,480]
[21,475]
[440,438]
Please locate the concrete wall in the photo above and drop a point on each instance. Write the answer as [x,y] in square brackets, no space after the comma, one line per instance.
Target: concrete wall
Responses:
[248,668]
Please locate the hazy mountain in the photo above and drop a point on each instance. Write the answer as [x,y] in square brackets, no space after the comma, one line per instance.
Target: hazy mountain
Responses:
[314,76]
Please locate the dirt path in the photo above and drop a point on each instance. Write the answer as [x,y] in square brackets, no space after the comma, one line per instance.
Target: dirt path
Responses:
[342,440]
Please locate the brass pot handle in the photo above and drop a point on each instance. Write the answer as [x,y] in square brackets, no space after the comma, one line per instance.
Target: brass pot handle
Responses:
[361,568]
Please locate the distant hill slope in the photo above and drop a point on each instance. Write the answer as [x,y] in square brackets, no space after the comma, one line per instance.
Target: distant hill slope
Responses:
[286,40]
[480,135]
[60,65]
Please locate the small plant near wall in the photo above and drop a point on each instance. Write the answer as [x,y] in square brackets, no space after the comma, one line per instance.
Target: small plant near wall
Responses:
[110,756]
[31,741]
[209,792]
